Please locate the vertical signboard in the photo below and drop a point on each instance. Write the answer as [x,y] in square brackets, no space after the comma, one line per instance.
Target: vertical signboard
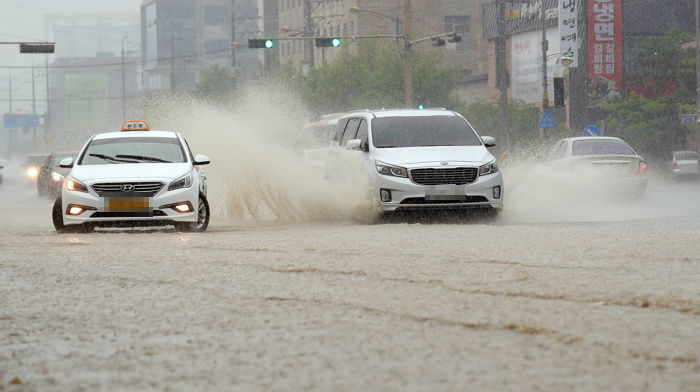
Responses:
[569,41]
[604,51]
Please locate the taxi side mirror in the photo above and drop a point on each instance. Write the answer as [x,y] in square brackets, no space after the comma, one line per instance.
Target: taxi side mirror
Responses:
[66,163]
[201,159]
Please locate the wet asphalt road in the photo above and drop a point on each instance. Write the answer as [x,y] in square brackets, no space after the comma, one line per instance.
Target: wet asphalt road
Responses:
[557,304]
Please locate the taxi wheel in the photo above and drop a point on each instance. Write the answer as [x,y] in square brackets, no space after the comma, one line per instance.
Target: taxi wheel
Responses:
[57,216]
[202,218]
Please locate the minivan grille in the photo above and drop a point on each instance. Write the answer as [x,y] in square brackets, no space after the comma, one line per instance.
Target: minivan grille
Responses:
[143,189]
[457,175]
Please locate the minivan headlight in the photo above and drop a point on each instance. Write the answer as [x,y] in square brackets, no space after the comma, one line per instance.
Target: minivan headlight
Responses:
[74,185]
[390,170]
[182,182]
[488,168]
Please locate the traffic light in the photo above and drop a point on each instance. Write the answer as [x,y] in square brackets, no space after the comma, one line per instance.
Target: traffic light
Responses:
[261,43]
[438,41]
[558,92]
[37,48]
[454,38]
[328,42]
[420,102]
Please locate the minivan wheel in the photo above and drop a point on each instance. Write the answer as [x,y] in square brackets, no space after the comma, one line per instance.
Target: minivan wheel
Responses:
[202,218]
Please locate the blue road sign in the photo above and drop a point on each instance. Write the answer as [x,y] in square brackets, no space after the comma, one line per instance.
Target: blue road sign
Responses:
[688,118]
[20,120]
[592,130]
[547,121]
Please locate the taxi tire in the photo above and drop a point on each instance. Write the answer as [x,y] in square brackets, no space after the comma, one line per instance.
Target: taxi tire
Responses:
[57,217]
[201,225]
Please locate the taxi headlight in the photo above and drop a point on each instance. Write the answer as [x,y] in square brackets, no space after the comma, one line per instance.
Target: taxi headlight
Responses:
[488,168]
[182,182]
[58,177]
[389,170]
[74,185]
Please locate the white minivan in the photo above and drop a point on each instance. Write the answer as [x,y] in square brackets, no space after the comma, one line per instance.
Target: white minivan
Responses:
[424,159]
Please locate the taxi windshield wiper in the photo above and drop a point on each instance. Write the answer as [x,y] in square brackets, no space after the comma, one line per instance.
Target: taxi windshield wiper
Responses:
[143,158]
[109,158]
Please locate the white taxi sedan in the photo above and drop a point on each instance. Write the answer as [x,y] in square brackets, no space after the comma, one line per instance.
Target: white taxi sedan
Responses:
[136,177]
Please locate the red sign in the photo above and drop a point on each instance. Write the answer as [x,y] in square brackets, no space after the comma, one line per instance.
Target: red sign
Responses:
[604,51]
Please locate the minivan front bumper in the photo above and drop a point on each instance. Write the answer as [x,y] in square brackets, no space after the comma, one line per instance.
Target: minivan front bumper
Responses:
[406,194]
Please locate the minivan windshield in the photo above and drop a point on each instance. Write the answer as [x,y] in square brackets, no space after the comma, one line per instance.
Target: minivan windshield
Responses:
[422,131]
[133,150]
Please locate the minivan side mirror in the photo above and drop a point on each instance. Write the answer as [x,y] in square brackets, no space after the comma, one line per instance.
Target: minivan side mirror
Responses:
[355,144]
[201,159]
[488,141]
[66,163]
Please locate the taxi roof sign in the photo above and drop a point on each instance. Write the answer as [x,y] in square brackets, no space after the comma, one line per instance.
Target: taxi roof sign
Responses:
[135,125]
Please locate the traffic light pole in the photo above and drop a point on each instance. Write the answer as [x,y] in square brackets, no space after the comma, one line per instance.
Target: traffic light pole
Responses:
[407,55]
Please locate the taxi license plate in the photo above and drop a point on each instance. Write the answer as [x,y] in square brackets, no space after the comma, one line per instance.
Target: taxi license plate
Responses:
[127,204]
[446,192]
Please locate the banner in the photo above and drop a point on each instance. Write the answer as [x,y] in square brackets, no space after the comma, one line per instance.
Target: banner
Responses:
[604,52]
[569,41]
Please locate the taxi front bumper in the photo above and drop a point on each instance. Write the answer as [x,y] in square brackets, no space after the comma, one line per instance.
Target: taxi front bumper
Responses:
[158,208]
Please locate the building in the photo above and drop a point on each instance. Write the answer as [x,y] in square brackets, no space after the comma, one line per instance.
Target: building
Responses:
[353,18]
[84,35]
[181,37]
[608,37]
[91,94]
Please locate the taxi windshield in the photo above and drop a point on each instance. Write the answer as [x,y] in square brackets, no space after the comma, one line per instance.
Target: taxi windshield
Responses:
[133,150]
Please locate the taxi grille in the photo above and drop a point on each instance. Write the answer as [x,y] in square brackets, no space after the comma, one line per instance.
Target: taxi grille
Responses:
[140,189]
[457,176]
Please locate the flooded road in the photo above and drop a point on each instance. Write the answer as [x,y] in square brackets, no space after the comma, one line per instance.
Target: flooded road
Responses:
[515,304]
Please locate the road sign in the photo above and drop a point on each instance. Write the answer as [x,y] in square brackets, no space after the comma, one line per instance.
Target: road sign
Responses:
[592,130]
[547,121]
[13,120]
[688,118]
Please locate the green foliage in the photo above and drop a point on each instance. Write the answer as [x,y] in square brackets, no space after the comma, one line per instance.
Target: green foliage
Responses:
[485,116]
[667,58]
[215,84]
[651,126]
[371,77]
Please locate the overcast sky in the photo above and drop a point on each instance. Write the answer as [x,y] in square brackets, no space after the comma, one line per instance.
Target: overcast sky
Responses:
[23,20]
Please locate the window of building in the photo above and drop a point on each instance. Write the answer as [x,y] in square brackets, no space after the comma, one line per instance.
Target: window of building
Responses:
[457,23]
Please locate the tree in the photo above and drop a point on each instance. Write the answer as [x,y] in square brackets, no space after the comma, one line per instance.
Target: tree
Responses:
[666,65]
[372,78]
[215,83]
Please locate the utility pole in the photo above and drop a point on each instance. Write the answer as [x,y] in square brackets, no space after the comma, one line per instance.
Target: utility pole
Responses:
[545,46]
[309,31]
[9,90]
[47,119]
[123,83]
[33,102]
[407,55]
[697,55]
[502,74]
[172,62]
[233,38]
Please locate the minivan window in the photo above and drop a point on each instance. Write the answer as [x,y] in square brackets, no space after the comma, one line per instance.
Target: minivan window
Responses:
[350,130]
[133,150]
[422,131]
[601,147]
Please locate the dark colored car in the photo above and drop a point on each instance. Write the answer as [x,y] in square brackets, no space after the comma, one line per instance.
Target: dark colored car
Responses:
[51,175]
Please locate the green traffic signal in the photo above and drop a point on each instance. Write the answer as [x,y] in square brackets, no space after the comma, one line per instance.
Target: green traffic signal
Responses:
[335,42]
[328,42]
[269,44]
[421,106]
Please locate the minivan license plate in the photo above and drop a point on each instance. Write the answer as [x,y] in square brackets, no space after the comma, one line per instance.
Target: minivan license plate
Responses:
[445,192]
